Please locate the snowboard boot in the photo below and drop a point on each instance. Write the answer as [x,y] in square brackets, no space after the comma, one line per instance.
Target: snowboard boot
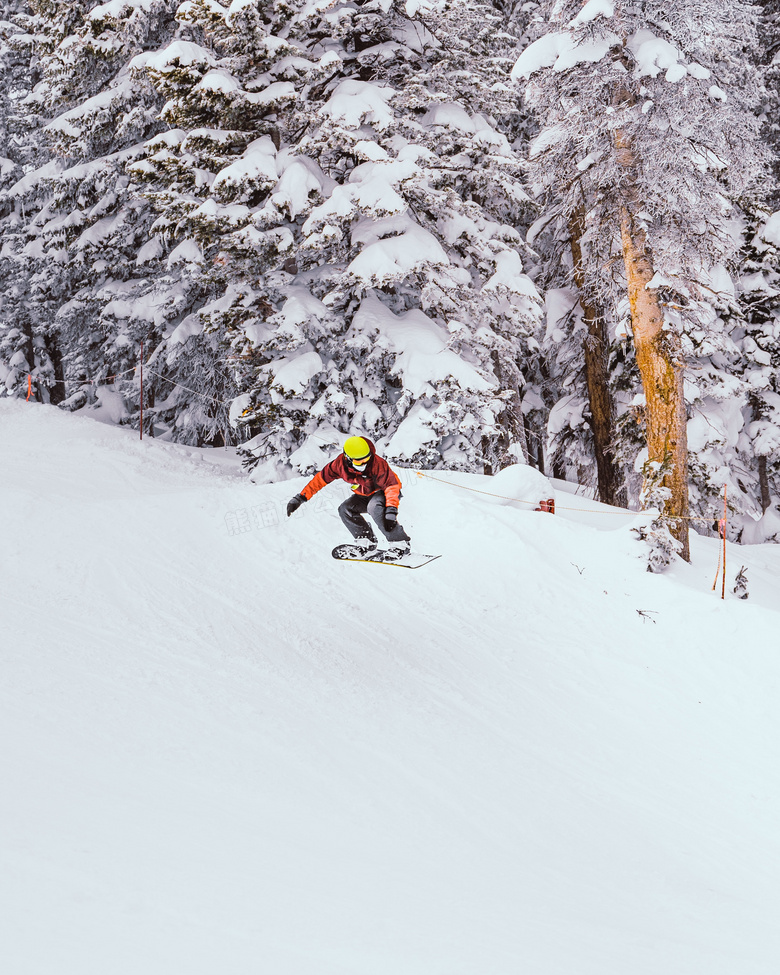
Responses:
[366,547]
[397,550]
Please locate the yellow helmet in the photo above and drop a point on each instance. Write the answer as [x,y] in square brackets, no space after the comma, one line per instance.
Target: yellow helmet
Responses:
[356,448]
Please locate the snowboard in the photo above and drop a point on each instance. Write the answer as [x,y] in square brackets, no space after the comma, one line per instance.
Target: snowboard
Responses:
[350,553]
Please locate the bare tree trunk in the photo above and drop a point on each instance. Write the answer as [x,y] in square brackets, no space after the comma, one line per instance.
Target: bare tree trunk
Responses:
[487,465]
[763,482]
[535,454]
[602,407]
[510,420]
[25,326]
[57,391]
[659,361]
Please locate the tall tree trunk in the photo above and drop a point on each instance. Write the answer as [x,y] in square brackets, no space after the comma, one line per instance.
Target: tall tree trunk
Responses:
[763,482]
[513,432]
[510,420]
[602,407]
[57,390]
[657,349]
[28,347]
[659,361]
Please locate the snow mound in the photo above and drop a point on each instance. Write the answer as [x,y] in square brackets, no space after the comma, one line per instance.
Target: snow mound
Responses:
[523,483]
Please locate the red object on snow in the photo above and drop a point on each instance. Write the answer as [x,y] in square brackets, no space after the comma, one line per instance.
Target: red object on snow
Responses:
[548,505]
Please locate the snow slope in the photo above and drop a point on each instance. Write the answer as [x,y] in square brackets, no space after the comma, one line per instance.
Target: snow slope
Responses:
[224,752]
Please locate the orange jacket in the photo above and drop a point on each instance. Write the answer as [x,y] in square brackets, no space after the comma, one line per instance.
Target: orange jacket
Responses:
[377,475]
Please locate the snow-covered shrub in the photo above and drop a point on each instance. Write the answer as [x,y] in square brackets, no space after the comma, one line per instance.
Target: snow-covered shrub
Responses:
[662,545]
[740,589]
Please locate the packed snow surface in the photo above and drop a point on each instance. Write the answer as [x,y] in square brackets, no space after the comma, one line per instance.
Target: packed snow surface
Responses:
[223,751]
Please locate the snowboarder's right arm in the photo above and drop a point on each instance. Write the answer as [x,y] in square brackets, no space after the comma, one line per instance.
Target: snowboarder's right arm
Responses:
[317,483]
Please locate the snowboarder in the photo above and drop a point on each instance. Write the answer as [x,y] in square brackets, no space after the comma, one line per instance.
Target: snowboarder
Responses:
[377,491]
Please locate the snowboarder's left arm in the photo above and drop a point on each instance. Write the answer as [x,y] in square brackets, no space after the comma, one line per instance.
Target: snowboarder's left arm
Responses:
[388,480]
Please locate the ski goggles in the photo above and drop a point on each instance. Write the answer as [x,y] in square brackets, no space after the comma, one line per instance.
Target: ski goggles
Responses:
[359,462]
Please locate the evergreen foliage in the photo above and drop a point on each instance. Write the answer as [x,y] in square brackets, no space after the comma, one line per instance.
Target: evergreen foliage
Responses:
[768,59]
[685,100]
[71,223]
[318,220]
[342,181]
[662,545]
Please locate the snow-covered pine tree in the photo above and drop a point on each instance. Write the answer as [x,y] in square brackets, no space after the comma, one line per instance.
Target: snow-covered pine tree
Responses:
[24,355]
[76,210]
[768,59]
[732,427]
[206,177]
[14,67]
[424,219]
[356,216]
[648,124]
[756,334]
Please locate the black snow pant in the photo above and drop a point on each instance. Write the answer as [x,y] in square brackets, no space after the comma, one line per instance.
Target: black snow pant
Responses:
[352,513]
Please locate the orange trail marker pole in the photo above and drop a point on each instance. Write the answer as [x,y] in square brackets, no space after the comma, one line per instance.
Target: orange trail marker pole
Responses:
[717,571]
[29,386]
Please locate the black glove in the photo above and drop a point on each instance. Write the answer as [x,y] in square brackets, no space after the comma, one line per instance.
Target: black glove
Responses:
[391,518]
[294,503]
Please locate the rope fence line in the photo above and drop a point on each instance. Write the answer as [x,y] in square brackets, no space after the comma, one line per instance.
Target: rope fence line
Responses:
[139,369]
[465,487]
[590,511]
[81,382]
[109,381]
[543,506]
[211,399]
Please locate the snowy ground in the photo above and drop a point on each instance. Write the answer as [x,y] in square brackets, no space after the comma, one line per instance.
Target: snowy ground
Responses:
[223,752]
